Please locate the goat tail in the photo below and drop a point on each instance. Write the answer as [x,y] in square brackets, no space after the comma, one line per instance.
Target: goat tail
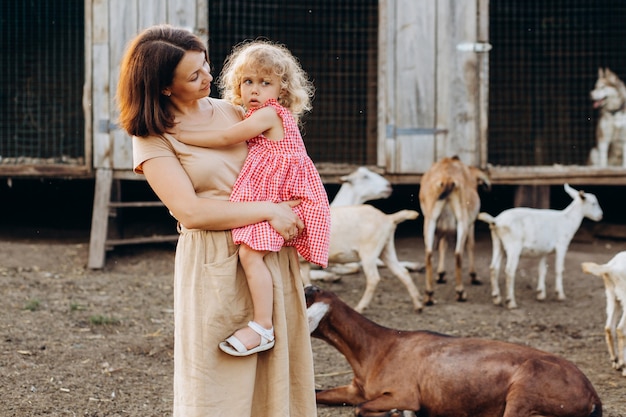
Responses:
[594,269]
[402,215]
[486,217]
[446,187]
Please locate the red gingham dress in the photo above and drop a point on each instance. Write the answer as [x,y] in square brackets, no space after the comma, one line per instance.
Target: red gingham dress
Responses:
[279,171]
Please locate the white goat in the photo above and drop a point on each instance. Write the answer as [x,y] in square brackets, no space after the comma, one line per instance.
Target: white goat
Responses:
[360,186]
[525,231]
[363,234]
[614,275]
[449,201]
[357,187]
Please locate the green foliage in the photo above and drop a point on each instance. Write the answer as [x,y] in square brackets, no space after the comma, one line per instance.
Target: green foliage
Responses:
[32,305]
[100,320]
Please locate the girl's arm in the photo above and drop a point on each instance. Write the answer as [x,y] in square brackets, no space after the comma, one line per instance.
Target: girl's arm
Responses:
[264,120]
[172,185]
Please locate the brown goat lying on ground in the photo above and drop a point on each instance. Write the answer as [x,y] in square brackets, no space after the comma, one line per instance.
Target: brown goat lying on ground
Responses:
[437,375]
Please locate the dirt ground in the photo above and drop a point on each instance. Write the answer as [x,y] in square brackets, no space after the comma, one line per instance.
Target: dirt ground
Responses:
[78,342]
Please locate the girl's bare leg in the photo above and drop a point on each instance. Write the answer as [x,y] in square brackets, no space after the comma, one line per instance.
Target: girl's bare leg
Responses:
[261,290]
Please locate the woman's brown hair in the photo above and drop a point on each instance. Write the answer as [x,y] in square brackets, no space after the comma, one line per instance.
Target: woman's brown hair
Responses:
[146,69]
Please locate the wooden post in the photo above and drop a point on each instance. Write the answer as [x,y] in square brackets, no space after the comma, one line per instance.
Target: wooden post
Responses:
[100,218]
[534,196]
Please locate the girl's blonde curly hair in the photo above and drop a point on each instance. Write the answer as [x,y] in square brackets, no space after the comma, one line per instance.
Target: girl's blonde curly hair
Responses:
[266,57]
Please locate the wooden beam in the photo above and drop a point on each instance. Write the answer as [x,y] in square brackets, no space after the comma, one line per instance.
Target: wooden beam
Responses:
[331,173]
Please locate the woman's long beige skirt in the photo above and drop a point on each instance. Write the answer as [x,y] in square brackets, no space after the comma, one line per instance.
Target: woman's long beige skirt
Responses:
[211,301]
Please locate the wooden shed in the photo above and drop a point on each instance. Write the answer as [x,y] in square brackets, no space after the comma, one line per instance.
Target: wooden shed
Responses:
[399,84]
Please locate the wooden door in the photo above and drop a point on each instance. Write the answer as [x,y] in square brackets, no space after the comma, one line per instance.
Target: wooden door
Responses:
[433,70]
[113,24]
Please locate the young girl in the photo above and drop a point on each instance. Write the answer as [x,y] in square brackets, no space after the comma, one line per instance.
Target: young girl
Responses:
[267,80]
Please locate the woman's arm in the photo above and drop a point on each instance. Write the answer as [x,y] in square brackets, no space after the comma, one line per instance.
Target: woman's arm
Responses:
[264,120]
[173,187]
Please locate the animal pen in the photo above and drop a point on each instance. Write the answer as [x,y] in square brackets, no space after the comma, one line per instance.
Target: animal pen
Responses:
[399,84]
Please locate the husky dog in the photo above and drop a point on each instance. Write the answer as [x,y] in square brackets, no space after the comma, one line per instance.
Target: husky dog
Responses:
[609,97]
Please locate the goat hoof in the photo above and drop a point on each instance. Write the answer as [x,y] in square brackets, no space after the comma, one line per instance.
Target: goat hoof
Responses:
[474,280]
[461,296]
[541,296]
[442,278]
[429,298]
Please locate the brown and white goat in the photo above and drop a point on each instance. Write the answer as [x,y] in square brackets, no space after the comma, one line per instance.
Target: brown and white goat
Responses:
[433,374]
[614,275]
[450,202]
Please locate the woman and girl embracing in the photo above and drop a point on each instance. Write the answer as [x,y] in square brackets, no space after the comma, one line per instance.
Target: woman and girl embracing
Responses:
[235,174]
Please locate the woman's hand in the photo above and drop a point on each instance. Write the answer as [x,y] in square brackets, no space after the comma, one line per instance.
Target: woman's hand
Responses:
[285,221]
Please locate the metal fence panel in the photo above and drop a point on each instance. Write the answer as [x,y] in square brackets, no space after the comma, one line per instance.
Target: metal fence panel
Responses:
[42,61]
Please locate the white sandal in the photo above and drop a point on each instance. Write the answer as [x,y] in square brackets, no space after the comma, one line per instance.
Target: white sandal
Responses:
[234,347]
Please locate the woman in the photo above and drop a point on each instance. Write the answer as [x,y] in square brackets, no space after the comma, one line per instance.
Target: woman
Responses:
[164,83]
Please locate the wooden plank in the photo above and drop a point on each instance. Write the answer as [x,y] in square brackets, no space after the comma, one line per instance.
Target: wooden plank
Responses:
[613,231]
[40,171]
[456,81]
[415,151]
[102,144]
[135,204]
[202,20]
[123,174]
[182,13]
[123,28]
[384,64]
[87,92]
[99,21]
[483,80]
[410,110]
[535,196]
[558,175]
[142,240]
[100,87]
[100,219]
[331,172]
[152,12]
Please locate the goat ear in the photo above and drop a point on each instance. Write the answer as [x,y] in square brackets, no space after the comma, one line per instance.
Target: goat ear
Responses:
[484,181]
[570,191]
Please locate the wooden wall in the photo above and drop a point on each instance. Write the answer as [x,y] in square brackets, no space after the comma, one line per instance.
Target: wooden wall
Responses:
[112,24]
[432,87]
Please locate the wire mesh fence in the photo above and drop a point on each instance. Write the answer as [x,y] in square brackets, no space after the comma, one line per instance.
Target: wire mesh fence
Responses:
[543,64]
[42,61]
[336,43]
